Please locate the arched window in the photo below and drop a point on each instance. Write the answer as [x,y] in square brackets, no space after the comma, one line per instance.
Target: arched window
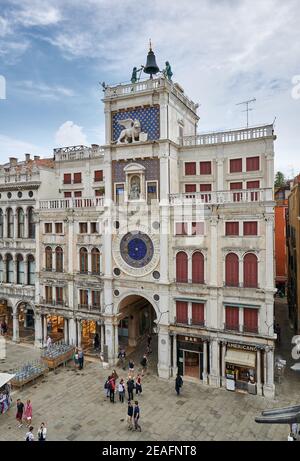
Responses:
[48,257]
[31,270]
[95,261]
[1,269]
[9,269]
[198,267]
[83,260]
[181,267]
[20,214]
[1,223]
[20,270]
[59,259]
[10,223]
[250,271]
[232,270]
[31,224]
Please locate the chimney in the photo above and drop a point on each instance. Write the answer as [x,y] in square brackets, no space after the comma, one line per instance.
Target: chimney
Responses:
[13,161]
[36,157]
[95,146]
[27,157]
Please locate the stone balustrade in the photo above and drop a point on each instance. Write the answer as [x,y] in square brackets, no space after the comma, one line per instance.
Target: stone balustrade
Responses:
[70,203]
[223,197]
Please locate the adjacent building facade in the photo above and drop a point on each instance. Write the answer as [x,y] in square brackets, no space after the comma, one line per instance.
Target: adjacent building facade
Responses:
[160,230]
[281,209]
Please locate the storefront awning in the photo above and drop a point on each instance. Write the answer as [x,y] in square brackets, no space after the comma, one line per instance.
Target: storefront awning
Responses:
[241,358]
[5,378]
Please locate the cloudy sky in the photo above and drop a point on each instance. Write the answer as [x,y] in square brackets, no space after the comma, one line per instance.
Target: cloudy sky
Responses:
[54,53]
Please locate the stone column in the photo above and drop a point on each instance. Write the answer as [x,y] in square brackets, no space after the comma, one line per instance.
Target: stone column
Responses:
[102,338]
[214,377]
[116,341]
[79,332]
[269,387]
[25,225]
[265,366]
[15,225]
[108,136]
[109,341]
[223,365]
[15,272]
[72,331]
[220,174]
[16,337]
[213,251]
[66,330]
[163,365]
[258,372]
[175,368]
[269,263]
[205,375]
[164,243]
[45,332]
[133,323]
[26,276]
[38,340]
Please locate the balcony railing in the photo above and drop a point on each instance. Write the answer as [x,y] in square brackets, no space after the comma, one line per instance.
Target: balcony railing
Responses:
[89,307]
[222,197]
[241,328]
[72,153]
[231,327]
[71,203]
[189,323]
[53,302]
[230,136]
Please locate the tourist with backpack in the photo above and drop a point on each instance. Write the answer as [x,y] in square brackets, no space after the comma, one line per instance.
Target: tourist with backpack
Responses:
[29,437]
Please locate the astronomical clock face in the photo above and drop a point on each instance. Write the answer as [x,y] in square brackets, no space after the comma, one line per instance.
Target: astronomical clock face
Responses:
[136,253]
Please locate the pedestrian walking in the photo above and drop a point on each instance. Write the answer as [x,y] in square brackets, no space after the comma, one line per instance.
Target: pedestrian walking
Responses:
[76,358]
[28,413]
[178,383]
[20,411]
[49,342]
[136,416]
[42,433]
[278,332]
[3,328]
[114,375]
[121,389]
[138,385]
[106,386]
[131,366]
[112,388]
[144,363]
[29,437]
[129,416]
[122,357]
[96,342]
[80,359]
[130,388]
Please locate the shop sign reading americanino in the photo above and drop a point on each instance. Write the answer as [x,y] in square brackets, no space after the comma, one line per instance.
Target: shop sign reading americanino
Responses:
[244,347]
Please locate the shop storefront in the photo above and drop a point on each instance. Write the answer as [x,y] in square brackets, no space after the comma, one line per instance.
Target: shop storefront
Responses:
[190,357]
[241,368]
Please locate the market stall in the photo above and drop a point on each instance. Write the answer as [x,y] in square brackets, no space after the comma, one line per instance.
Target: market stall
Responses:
[59,353]
[5,389]
[28,373]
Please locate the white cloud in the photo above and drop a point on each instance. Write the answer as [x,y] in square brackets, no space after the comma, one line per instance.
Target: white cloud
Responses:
[29,13]
[11,147]
[70,134]
[43,90]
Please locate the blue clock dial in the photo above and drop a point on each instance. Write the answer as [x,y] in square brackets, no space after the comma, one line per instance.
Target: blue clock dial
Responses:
[136,249]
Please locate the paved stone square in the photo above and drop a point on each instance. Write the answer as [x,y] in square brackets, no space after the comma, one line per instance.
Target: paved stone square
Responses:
[74,406]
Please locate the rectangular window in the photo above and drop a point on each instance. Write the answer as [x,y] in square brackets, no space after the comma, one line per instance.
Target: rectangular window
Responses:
[59,295]
[198,314]
[99,193]
[84,299]
[96,299]
[205,167]
[197,228]
[232,318]
[205,188]
[252,164]
[77,194]
[253,185]
[190,188]
[232,229]
[250,228]
[181,228]
[83,227]
[94,228]
[58,228]
[251,320]
[190,168]
[67,178]
[236,165]
[48,228]
[77,178]
[48,294]
[67,194]
[151,192]
[119,194]
[237,197]
[181,312]
[98,175]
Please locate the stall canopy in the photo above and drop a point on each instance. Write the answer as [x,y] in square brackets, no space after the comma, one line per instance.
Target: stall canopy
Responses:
[242,358]
[5,378]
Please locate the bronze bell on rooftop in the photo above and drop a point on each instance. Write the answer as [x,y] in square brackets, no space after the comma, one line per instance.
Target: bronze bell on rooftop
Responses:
[151,67]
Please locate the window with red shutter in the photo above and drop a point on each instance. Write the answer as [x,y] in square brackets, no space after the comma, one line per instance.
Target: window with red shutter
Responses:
[197,228]
[205,167]
[181,228]
[77,178]
[237,197]
[232,229]
[250,228]
[67,178]
[198,268]
[252,164]
[190,168]
[98,175]
[236,165]
[253,185]
[67,194]
[77,193]
[232,318]
[181,267]
[250,271]
[198,314]
[251,320]
[205,188]
[190,188]
[181,312]
[232,270]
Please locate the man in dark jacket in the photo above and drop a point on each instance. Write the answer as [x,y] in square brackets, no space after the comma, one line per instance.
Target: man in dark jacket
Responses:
[130,416]
[178,383]
[130,387]
[136,416]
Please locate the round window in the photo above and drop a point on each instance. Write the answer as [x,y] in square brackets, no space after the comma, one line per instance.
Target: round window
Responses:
[30,193]
[156,297]
[116,292]
[117,271]
[20,195]
[9,194]
[156,275]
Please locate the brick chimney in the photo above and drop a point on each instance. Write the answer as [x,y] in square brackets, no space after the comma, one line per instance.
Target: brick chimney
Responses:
[27,157]
[36,157]
[13,161]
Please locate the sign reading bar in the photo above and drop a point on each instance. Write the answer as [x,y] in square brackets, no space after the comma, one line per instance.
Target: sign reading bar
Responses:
[244,347]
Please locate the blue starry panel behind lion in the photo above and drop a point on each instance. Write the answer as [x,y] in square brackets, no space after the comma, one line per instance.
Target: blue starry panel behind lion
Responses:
[147,116]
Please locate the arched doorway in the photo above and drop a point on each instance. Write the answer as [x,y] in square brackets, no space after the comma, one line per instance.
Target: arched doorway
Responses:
[137,319]
[55,327]
[26,322]
[6,316]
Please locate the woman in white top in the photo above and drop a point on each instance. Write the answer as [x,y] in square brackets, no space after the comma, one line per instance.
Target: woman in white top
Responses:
[42,433]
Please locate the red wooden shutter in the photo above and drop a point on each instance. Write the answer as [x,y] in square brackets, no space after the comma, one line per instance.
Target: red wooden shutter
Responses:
[77,193]
[190,188]
[232,318]
[98,175]
[190,168]
[197,228]
[181,312]
[67,194]
[251,320]
[77,178]
[181,267]
[250,228]
[67,178]
[181,228]
[236,165]
[232,228]
[205,187]
[205,167]
[252,163]
[232,270]
[237,197]
[253,185]
[250,271]
[198,268]
[197,313]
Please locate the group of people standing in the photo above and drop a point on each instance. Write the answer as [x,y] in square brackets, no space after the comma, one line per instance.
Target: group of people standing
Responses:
[24,414]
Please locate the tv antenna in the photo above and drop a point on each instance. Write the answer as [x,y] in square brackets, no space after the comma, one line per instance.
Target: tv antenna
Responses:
[248,109]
